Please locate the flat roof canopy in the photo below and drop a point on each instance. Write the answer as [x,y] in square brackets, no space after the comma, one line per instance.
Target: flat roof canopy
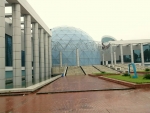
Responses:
[27,9]
[125,42]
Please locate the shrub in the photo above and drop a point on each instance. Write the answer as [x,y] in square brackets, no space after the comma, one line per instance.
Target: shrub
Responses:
[103,72]
[126,74]
[146,76]
[147,69]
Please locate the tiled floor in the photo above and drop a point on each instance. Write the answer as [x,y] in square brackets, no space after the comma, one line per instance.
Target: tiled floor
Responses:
[117,101]
[80,83]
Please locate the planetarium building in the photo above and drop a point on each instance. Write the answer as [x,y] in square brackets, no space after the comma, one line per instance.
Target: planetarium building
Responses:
[73,47]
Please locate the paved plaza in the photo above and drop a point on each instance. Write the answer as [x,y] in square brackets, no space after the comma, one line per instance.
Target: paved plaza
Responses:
[74,94]
[80,84]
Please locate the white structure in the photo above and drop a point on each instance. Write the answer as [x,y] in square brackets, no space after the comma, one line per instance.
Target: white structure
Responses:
[60,58]
[121,53]
[77,57]
[131,49]
[103,58]
[125,51]
[2,44]
[114,58]
[35,41]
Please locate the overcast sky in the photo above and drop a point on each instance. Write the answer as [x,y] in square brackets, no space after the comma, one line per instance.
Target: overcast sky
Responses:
[121,19]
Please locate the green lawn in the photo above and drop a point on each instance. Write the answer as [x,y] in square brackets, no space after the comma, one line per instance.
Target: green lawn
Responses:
[138,80]
[143,71]
[103,73]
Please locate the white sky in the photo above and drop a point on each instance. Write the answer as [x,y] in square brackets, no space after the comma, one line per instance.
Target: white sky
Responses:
[121,19]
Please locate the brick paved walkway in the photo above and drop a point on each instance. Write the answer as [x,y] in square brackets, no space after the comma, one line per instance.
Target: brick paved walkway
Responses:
[116,101]
[80,83]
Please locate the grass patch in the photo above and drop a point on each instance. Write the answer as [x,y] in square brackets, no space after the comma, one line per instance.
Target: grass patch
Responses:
[138,80]
[145,70]
[141,71]
[104,73]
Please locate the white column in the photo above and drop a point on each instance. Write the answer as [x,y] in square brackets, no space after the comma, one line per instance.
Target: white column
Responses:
[35,52]
[103,58]
[114,58]
[16,39]
[47,70]
[41,53]
[106,62]
[60,56]
[121,54]
[131,49]
[142,55]
[28,50]
[2,44]
[111,54]
[46,55]
[77,57]
[49,57]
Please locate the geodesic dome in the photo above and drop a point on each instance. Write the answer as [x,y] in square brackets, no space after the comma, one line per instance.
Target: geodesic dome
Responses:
[67,40]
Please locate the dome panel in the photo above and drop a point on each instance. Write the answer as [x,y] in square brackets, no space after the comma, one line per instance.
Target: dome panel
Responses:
[68,40]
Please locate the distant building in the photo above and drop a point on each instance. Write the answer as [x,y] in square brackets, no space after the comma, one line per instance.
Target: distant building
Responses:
[125,51]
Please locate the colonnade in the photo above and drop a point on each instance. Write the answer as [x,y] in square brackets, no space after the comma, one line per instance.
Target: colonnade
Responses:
[41,49]
[113,55]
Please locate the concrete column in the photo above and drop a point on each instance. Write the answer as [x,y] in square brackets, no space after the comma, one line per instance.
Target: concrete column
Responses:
[77,57]
[114,58]
[142,55]
[103,58]
[2,44]
[111,54]
[60,56]
[41,53]
[16,39]
[106,62]
[51,53]
[46,55]
[35,52]
[49,57]
[28,50]
[131,49]
[121,54]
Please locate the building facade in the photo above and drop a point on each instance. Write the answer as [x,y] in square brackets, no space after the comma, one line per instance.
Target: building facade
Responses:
[25,51]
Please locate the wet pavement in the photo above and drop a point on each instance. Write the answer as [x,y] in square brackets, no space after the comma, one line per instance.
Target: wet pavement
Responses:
[80,83]
[111,101]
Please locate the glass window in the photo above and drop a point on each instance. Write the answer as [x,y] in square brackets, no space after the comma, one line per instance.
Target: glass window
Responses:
[119,61]
[23,58]
[8,50]
[137,56]
[146,50]
[127,58]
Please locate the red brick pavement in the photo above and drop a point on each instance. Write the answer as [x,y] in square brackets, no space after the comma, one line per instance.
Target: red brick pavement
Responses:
[118,101]
[126,101]
[80,83]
